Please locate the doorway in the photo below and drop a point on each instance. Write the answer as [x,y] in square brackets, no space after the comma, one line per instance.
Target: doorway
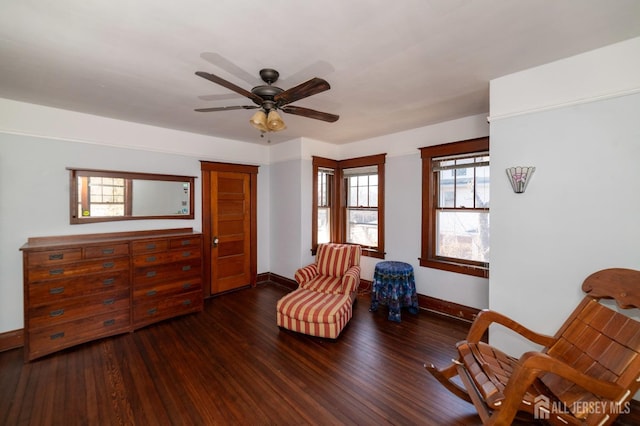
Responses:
[229,226]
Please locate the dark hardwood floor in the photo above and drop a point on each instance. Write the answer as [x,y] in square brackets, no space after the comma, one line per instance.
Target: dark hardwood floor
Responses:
[231,364]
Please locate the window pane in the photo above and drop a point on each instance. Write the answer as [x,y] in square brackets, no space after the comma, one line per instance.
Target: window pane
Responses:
[482,187]
[373,196]
[463,235]
[362,227]
[446,188]
[363,196]
[324,187]
[464,188]
[324,225]
[353,197]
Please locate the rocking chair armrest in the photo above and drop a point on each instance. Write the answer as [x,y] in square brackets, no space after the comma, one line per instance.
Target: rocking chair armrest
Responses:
[541,362]
[487,317]
[530,367]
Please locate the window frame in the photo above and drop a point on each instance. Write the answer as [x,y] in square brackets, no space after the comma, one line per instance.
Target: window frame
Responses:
[324,163]
[339,200]
[428,257]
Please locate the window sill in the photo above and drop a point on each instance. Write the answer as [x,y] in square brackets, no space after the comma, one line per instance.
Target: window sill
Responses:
[372,253]
[460,268]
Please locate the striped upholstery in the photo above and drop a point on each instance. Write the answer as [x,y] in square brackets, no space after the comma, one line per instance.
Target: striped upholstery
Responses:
[306,274]
[333,259]
[314,313]
[322,304]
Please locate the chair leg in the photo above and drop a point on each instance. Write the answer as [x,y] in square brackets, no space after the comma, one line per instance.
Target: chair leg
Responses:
[444,376]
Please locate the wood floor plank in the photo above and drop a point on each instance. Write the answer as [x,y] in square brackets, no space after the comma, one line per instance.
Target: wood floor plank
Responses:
[231,365]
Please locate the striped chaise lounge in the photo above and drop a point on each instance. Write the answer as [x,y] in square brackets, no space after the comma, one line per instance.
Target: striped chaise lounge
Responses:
[322,304]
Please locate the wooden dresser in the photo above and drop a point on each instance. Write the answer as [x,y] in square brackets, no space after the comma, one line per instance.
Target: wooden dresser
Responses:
[79,288]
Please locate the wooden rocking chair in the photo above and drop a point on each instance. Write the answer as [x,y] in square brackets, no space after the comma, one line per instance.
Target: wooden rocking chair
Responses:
[584,375]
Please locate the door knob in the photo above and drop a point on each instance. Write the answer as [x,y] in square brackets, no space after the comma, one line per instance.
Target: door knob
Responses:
[215,241]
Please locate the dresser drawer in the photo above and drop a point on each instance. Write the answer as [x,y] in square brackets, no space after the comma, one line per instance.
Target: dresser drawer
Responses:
[106,251]
[46,340]
[186,242]
[166,289]
[80,307]
[54,257]
[144,276]
[146,313]
[166,257]
[79,268]
[149,246]
[50,291]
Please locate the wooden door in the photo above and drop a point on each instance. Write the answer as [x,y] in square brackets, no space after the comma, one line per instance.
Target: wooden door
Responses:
[229,226]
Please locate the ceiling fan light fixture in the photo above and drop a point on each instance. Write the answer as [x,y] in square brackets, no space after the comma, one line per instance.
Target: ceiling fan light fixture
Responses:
[274,122]
[259,121]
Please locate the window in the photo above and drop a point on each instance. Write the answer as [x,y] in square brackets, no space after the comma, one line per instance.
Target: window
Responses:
[348,203]
[325,192]
[362,206]
[102,196]
[455,207]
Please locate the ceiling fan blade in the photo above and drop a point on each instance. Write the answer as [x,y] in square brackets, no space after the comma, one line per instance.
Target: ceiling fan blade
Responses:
[306,89]
[310,113]
[224,83]
[226,108]
[225,64]
[218,97]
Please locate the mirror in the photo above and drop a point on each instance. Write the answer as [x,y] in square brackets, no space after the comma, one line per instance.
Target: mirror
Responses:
[106,195]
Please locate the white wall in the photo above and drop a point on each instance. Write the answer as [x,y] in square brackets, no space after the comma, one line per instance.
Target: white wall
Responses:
[291,185]
[580,211]
[38,143]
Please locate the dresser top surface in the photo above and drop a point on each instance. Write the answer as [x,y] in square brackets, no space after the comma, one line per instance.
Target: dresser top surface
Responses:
[46,243]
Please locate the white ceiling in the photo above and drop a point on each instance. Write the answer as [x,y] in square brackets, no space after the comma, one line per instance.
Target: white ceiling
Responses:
[392,66]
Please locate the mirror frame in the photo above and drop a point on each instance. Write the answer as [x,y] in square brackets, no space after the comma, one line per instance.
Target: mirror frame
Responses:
[73,192]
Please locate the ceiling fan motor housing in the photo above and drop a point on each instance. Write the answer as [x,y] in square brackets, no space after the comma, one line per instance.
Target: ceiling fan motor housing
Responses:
[269,75]
[267,92]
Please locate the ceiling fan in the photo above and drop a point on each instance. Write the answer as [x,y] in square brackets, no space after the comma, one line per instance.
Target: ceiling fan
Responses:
[268,99]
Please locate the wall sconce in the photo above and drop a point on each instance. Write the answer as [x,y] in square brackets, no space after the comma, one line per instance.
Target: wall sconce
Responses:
[519,177]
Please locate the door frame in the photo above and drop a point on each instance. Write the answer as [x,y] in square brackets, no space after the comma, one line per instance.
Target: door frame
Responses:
[207,167]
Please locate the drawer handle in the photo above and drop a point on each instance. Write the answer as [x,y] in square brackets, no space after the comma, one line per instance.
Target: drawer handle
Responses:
[186,302]
[109,322]
[186,268]
[150,259]
[151,246]
[57,256]
[107,265]
[56,313]
[152,293]
[110,301]
[186,242]
[56,290]
[186,285]
[151,274]
[56,272]
[152,311]
[108,281]
[108,251]
[57,335]
[186,253]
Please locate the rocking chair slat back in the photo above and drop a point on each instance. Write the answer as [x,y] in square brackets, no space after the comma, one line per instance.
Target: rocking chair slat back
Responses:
[603,344]
[591,366]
